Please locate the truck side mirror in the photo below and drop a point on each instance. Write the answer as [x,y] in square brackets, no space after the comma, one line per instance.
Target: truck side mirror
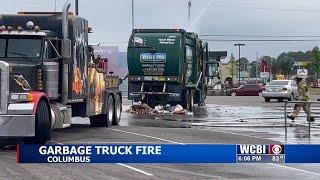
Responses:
[209,70]
[66,48]
[212,70]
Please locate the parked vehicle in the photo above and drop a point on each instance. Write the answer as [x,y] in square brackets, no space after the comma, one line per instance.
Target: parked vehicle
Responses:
[280,90]
[259,82]
[246,90]
[47,76]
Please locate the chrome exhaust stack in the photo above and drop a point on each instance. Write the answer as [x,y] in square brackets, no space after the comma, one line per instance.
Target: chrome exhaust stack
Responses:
[66,51]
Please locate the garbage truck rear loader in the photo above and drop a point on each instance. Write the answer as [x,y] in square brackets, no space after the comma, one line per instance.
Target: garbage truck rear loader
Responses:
[167,66]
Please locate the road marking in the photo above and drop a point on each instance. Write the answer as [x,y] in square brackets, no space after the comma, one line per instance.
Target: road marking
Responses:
[120,164]
[56,142]
[296,169]
[135,169]
[143,135]
[238,134]
[183,171]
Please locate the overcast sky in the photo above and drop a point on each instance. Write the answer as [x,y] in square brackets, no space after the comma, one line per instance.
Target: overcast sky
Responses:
[111,20]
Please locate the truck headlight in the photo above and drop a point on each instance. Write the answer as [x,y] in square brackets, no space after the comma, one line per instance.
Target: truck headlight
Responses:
[21,97]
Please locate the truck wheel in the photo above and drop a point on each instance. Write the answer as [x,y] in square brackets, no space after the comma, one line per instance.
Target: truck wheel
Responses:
[109,114]
[94,121]
[190,100]
[43,127]
[104,120]
[267,99]
[117,111]
[185,99]
[152,101]
[291,97]
[280,99]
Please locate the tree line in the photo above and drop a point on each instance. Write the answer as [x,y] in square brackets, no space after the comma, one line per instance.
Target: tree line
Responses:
[283,64]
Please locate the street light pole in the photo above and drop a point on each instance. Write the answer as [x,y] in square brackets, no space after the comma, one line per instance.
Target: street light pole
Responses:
[257,67]
[239,45]
[132,13]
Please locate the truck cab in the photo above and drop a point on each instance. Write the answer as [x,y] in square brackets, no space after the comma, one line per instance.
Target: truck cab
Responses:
[28,53]
[47,76]
[213,70]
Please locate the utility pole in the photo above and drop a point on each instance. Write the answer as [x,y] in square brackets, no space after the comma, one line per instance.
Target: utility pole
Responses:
[189,13]
[77,7]
[132,13]
[239,45]
[257,67]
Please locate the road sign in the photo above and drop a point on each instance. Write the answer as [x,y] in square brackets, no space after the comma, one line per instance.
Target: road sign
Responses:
[302,72]
[264,74]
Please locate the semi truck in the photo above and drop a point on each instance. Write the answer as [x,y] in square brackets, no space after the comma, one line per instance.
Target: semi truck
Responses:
[48,76]
[167,66]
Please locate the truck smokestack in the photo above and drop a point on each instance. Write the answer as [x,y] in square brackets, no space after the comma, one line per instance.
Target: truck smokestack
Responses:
[65,10]
[65,34]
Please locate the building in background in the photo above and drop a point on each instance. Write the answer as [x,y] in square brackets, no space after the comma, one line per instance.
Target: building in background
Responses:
[117,61]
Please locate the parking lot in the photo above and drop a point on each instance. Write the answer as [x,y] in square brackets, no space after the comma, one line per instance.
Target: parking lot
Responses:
[230,120]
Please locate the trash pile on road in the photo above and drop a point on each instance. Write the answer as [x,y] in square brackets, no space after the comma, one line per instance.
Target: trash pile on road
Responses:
[165,110]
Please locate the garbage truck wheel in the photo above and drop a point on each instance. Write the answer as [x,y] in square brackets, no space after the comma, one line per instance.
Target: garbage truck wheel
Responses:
[191,100]
[185,99]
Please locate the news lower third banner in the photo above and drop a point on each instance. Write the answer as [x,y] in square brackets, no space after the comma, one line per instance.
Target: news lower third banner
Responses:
[168,153]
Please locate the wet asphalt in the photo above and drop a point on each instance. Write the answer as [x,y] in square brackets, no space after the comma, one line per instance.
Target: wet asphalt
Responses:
[229,120]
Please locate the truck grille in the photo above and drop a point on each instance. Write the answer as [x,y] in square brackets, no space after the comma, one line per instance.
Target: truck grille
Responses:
[4,86]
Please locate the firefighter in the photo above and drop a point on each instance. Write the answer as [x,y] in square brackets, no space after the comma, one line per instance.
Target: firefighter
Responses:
[303,96]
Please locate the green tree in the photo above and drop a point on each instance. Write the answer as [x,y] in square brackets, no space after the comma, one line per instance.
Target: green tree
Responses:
[315,63]
[244,64]
[285,62]
[275,68]
[233,67]
[254,69]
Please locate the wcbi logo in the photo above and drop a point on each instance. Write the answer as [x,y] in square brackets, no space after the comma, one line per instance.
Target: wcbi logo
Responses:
[252,149]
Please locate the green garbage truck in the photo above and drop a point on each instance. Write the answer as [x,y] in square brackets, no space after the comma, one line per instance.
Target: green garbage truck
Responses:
[167,66]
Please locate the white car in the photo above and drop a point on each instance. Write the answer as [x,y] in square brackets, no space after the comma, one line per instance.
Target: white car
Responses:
[280,90]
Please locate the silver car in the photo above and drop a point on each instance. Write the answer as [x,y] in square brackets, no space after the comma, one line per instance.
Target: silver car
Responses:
[280,90]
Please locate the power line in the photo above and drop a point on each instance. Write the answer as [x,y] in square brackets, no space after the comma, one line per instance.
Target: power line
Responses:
[258,36]
[115,42]
[264,40]
[273,9]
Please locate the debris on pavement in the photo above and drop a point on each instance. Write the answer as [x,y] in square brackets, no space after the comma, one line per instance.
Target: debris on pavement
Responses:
[159,109]
[178,109]
[141,109]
